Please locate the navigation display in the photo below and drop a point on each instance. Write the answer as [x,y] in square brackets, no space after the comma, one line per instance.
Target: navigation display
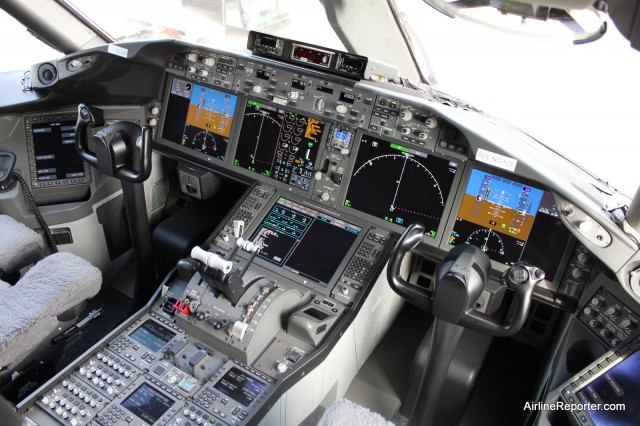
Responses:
[279,144]
[304,241]
[199,117]
[400,184]
[55,151]
[510,221]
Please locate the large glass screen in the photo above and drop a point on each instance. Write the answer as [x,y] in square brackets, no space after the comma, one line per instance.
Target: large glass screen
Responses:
[199,117]
[304,241]
[619,385]
[56,157]
[400,184]
[279,144]
[510,221]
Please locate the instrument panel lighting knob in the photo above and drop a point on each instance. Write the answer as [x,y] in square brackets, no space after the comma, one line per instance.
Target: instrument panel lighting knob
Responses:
[282,368]
[431,122]
[209,62]
[406,115]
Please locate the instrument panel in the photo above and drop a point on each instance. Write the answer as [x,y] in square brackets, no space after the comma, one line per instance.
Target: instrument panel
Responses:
[337,168]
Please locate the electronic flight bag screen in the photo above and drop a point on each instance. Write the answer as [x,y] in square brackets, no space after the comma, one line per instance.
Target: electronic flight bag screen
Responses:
[510,221]
[199,117]
[304,241]
[56,157]
[279,144]
[618,385]
[400,184]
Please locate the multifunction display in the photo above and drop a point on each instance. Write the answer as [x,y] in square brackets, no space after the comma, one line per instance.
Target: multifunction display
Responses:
[400,184]
[510,221]
[152,335]
[239,386]
[619,385]
[147,403]
[55,151]
[279,144]
[304,241]
[199,117]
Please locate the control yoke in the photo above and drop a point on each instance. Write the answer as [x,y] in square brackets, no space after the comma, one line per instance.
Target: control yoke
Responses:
[122,149]
[460,280]
[219,273]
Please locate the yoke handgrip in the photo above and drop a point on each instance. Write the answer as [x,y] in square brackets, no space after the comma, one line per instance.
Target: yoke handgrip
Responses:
[87,117]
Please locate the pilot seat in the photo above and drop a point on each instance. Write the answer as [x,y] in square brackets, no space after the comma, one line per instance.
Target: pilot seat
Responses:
[46,299]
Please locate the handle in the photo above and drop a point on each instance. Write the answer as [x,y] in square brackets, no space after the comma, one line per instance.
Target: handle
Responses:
[522,278]
[212,260]
[122,150]
[87,117]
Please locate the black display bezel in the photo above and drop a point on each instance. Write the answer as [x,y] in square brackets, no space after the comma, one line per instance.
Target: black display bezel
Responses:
[305,274]
[500,267]
[186,152]
[49,118]
[321,288]
[381,222]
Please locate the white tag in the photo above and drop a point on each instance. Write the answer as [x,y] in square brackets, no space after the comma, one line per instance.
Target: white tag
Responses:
[497,160]
[117,50]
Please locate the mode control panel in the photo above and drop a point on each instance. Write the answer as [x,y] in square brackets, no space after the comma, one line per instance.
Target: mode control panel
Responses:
[326,98]
[610,319]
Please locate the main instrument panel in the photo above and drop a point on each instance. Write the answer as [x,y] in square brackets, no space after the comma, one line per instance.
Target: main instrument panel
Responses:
[337,168]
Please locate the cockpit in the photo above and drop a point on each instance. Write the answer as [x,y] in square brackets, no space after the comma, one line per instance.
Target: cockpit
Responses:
[295,233]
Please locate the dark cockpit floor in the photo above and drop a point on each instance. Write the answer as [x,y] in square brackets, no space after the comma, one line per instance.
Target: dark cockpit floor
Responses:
[504,384]
[115,309]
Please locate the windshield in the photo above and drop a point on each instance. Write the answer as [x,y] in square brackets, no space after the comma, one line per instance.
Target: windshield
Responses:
[581,100]
[578,99]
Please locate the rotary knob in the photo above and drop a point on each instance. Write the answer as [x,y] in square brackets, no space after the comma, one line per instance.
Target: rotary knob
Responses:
[431,122]
[406,115]
[325,196]
[209,62]
[406,130]
[282,368]
[341,109]
[257,89]
[192,69]
[628,324]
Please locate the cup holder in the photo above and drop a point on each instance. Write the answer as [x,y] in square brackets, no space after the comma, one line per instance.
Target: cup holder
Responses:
[582,353]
